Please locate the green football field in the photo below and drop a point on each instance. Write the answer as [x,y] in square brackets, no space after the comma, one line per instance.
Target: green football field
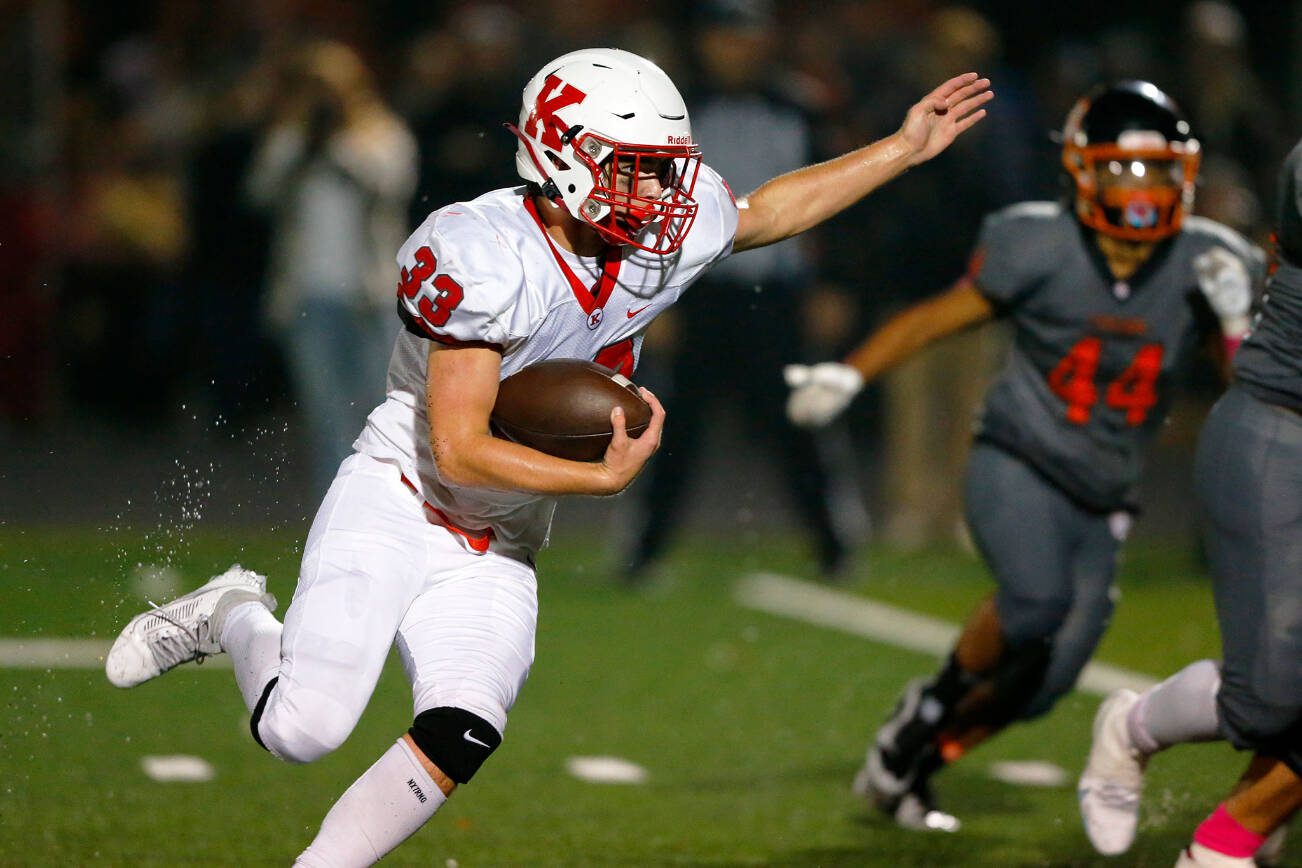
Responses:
[750,725]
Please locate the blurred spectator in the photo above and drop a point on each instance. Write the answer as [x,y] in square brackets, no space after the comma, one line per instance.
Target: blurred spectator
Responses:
[1237,119]
[225,271]
[336,171]
[1060,75]
[26,217]
[1226,195]
[923,231]
[472,76]
[558,26]
[1128,50]
[124,117]
[25,326]
[125,240]
[741,324]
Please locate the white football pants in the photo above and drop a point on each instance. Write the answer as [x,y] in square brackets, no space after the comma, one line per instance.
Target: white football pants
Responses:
[376,571]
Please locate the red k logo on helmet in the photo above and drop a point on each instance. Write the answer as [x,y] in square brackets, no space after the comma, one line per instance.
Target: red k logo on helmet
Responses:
[554,96]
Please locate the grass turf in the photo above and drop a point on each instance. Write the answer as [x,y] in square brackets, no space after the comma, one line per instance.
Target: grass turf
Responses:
[751,725]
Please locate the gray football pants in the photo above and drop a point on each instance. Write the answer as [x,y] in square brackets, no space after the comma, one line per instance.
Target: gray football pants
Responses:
[1248,474]
[1053,561]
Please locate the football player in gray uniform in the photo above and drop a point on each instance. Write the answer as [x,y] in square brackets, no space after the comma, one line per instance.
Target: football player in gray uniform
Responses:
[1248,475]
[1107,295]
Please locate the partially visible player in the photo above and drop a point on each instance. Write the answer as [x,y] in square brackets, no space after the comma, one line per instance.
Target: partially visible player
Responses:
[1106,297]
[428,535]
[1249,481]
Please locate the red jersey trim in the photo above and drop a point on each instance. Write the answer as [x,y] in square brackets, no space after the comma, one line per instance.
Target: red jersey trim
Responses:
[478,540]
[589,298]
[453,342]
[731,195]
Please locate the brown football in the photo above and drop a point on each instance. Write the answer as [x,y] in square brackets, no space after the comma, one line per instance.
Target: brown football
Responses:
[562,407]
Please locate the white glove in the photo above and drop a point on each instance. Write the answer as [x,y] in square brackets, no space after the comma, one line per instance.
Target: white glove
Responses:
[820,392]
[1224,280]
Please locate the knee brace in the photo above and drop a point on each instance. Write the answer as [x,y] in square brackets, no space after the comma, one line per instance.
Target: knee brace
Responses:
[455,740]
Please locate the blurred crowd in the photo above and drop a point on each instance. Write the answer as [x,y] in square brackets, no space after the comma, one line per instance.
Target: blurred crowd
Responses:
[199,199]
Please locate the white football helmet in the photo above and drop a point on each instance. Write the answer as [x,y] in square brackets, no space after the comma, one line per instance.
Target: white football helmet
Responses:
[592,115]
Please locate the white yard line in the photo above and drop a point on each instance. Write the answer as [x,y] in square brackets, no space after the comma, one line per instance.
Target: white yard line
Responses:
[64,654]
[767,592]
[837,610]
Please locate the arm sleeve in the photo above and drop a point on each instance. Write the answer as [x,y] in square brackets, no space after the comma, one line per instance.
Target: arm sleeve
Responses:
[457,284]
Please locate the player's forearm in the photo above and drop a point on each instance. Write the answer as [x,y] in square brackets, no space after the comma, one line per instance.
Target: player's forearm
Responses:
[902,336]
[799,200]
[912,329]
[484,461]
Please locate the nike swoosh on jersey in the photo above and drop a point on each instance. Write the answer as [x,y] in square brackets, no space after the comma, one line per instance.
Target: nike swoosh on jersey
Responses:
[632,313]
[470,738]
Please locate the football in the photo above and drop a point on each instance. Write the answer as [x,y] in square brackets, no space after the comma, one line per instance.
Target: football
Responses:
[562,407]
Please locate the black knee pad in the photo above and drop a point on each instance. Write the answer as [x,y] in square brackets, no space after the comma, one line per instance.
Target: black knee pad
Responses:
[455,740]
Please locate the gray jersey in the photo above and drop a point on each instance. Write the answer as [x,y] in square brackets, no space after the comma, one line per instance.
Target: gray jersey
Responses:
[1269,364]
[1086,384]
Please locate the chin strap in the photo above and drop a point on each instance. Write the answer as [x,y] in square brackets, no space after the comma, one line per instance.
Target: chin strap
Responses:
[552,193]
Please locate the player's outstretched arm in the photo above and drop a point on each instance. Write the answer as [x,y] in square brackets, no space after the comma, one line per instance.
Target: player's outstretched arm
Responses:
[789,204]
[460,390]
[957,308]
[820,392]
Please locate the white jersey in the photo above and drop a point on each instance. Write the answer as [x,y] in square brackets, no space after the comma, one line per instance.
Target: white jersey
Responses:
[484,273]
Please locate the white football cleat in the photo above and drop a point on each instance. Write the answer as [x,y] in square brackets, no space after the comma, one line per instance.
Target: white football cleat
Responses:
[188,628]
[1110,787]
[1198,856]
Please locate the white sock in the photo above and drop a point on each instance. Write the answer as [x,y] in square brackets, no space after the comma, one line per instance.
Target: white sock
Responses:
[389,802]
[1198,855]
[251,635]
[1181,709]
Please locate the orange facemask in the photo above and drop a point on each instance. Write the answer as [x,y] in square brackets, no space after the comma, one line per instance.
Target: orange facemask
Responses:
[1140,194]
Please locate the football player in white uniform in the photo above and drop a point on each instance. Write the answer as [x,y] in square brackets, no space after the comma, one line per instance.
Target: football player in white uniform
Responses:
[427,537]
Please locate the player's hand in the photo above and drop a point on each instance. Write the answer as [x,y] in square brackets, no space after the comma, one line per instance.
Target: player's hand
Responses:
[938,118]
[1227,286]
[626,456]
[820,392]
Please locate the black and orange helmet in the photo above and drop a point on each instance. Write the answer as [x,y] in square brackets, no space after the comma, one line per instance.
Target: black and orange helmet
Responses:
[1132,155]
